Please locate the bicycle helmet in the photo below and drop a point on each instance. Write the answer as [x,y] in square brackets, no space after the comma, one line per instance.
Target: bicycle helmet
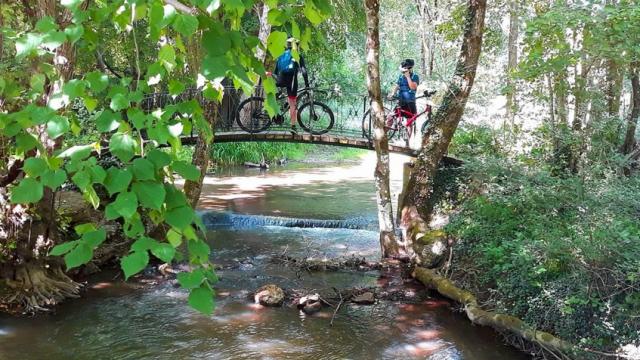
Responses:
[292,42]
[407,64]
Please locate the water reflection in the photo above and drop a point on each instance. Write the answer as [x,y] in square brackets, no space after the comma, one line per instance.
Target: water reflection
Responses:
[124,321]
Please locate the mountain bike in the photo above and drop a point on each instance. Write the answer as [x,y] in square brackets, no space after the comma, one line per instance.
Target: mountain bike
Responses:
[313,116]
[398,121]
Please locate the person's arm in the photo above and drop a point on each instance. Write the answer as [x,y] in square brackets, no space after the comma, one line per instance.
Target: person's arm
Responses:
[412,85]
[303,70]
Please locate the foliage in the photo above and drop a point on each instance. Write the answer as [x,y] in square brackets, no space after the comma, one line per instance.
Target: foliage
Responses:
[474,140]
[41,96]
[560,253]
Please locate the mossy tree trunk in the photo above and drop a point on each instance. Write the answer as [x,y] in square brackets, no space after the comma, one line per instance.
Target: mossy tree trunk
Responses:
[35,281]
[417,204]
[388,241]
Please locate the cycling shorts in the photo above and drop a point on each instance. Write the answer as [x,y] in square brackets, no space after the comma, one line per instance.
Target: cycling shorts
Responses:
[289,81]
[409,106]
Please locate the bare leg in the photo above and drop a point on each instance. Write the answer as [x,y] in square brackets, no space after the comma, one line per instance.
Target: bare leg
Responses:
[293,110]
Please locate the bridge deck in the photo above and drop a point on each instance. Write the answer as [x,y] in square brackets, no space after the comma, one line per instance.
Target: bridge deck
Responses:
[326,139]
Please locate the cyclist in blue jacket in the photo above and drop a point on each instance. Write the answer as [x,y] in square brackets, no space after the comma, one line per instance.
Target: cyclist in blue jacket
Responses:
[406,87]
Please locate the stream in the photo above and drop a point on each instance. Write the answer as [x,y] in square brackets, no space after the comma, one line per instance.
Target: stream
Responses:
[299,210]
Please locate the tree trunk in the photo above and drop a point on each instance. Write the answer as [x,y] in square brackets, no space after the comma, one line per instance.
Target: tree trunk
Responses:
[613,88]
[202,151]
[388,244]
[417,205]
[35,281]
[514,24]
[632,122]
[263,32]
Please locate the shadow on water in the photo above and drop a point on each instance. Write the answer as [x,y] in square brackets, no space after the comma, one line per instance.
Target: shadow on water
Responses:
[117,320]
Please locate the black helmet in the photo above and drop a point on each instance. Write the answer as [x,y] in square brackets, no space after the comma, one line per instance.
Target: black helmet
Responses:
[407,63]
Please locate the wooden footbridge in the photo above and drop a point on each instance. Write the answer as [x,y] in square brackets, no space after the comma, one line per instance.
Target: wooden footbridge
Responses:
[331,138]
[348,110]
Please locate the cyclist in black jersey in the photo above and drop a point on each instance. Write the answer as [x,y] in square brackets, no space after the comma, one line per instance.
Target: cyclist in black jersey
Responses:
[286,73]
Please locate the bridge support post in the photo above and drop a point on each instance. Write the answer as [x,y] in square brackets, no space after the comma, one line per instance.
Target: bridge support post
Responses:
[406,175]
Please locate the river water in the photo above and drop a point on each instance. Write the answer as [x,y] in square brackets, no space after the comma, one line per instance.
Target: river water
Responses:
[251,214]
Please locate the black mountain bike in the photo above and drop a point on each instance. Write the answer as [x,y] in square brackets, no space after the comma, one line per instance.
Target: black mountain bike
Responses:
[313,116]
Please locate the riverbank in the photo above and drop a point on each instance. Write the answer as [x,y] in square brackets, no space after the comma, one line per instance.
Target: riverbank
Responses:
[560,253]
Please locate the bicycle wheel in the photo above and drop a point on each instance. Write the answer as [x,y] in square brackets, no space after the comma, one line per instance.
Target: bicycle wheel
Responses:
[367,125]
[316,119]
[251,116]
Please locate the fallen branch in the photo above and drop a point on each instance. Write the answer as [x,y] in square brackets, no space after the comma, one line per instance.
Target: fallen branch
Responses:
[500,322]
[337,307]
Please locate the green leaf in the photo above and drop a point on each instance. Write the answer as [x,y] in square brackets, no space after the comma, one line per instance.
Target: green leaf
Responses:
[201,299]
[167,57]
[276,43]
[175,87]
[108,121]
[126,204]
[35,166]
[186,170]
[175,197]
[185,24]
[82,179]
[159,158]
[53,179]
[123,146]
[74,88]
[98,81]
[95,238]
[214,67]
[199,251]
[137,117]
[28,44]
[53,40]
[117,180]
[215,43]
[74,33]
[119,102]
[143,243]
[28,191]
[143,169]
[164,252]
[191,280]
[26,141]
[134,263]
[84,228]
[46,24]
[174,238]
[90,103]
[57,126]
[63,248]
[80,255]
[133,227]
[150,194]
[179,217]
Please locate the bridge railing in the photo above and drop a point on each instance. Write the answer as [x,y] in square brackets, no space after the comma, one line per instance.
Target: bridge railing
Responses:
[348,108]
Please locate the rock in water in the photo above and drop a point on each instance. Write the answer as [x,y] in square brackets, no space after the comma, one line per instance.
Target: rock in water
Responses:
[364,299]
[310,304]
[269,295]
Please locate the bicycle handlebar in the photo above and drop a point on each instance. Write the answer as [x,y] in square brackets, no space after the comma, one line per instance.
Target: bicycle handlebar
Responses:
[425,94]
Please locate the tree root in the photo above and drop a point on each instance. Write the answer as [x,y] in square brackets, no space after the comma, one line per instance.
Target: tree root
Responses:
[38,288]
[503,323]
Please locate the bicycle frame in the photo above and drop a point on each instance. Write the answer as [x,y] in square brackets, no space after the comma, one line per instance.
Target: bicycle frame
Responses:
[399,112]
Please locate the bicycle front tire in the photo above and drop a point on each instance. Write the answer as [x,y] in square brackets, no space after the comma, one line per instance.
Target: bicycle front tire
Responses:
[317,122]
[367,126]
[251,115]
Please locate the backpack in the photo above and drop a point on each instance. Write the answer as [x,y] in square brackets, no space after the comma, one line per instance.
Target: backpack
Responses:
[286,65]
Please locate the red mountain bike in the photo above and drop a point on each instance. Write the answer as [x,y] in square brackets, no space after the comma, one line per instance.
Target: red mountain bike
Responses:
[398,121]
